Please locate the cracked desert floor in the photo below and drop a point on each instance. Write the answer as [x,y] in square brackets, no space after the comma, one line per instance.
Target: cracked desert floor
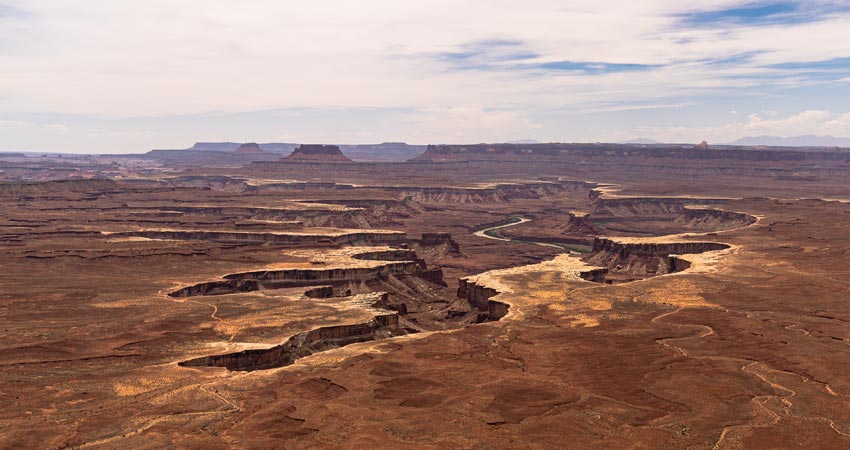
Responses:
[471,298]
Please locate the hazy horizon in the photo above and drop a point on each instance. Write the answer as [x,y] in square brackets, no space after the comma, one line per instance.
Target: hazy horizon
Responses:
[127,77]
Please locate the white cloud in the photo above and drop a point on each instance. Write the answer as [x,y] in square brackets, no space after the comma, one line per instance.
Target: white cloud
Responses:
[14,124]
[114,59]
[159,57]
[816,122]
[23,124]
[841,124]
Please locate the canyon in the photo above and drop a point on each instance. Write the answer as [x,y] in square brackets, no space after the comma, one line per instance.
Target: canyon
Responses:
[476,296]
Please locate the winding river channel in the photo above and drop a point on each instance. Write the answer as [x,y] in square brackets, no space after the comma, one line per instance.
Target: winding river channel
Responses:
[492,233]
[489,233]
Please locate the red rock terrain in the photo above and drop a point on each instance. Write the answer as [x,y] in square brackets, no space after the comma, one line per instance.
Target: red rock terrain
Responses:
[600,300]
[317,154]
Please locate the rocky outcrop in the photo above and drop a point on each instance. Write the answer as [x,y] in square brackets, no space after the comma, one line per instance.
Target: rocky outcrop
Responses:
[392,255]
[305,344]
[430,239]
[612,246]
[321,275]
[320,292]
[479,297]
[401,264]
[437,245]
[644,207]
[594,275]
[310,153]
[290,278]
[640,259]
[580,224]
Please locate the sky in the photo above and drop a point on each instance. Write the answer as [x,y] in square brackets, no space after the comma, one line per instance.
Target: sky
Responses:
[121,76]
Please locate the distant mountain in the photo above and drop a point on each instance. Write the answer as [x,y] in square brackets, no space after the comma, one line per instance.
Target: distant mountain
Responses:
[643,141]
[229,147]
[249,148]
[214,146]
[794,141]
[523,141]
[385,152]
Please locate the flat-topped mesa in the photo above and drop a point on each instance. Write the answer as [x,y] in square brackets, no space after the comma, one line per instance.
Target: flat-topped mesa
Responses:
[569,152]
[314,153]
[249,148]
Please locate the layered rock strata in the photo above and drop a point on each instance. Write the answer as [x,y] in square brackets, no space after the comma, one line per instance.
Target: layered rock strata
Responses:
[640,258]
[304,344]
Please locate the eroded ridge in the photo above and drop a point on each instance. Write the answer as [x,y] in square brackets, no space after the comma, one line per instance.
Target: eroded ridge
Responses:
[489,295]
[496,291]
[333,237]
[396,293]
[402,263]
[629,215]
[629,259]
[381,326]
[613,260]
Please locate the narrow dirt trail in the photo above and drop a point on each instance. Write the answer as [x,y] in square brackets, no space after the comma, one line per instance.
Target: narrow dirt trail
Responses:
[229,407]
[227,326]
[783,394]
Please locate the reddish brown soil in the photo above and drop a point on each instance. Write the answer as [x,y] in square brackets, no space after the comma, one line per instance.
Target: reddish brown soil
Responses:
[748,350]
